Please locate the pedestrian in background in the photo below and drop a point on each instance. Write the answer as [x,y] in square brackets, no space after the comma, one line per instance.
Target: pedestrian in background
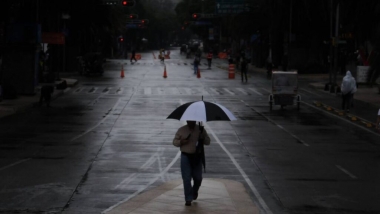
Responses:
[243,68]
[133,55]
[46,92]
[269,67]
[190,138]
[196,63]
[209,59]
[348,88]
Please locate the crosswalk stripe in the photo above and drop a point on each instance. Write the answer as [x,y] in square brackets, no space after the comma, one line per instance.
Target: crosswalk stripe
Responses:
[228,91]
[106,90]
[242,91]
[147,91]
[214,90]
[120,90]
[188,91]
[170,91]
[256,91]
[92,90]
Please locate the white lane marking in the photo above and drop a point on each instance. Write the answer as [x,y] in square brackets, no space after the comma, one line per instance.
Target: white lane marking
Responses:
[147,185]
[294,136]
[148,163]
[215,91]
[14,164]
[92,90]
[266,90]
[66,90]
[228,91]
[107,90]
[254,90]
[157,90]
[278,125]
[147,91]
[120,90]
[80,89]
[245,176]
[346,171]
[242,91]
[311,92]
[188,91]
[342,118]
[100,122]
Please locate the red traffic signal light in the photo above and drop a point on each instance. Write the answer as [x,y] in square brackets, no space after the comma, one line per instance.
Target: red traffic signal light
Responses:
[196,16]
[133,16]
[145,21]
[128,3]
[121,39]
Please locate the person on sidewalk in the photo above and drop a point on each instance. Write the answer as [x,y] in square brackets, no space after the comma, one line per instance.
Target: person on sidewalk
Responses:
[243,68]
[209,58]
[191,138]
[46,92]
[196,63]
[269,67]
[348,88]
[133,55]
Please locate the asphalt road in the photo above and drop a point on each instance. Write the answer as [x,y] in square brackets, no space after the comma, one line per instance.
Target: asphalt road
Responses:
[108,140]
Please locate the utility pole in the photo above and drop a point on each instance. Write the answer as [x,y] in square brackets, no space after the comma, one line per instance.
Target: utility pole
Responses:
[290,29]
[328,86]
[336,45]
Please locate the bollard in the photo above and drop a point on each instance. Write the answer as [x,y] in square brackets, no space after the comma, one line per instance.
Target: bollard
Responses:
[231,71]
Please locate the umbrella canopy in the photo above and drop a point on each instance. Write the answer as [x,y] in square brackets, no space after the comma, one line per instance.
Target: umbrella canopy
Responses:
[202,111]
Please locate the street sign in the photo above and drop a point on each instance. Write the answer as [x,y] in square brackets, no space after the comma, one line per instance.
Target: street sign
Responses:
[225,7]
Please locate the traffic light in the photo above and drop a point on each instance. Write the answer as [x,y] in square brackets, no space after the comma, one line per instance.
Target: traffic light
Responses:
[145,21]
[121,39]
[196,16]
[133,16]
[128,3]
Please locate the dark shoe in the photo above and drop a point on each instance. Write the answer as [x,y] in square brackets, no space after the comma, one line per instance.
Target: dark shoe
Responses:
[195,196]
[188,203]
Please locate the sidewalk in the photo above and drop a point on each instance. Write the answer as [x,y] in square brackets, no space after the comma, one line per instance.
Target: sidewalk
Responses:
[215,196]
[23,102]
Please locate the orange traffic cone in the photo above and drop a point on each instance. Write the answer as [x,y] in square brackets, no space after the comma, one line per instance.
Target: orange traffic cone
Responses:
[122,71]
[165,75]
[199,73]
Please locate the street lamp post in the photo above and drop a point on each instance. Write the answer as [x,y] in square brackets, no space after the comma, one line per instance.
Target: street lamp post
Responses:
[65,17]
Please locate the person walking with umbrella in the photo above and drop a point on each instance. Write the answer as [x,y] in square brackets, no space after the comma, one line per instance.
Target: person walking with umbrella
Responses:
[191,138]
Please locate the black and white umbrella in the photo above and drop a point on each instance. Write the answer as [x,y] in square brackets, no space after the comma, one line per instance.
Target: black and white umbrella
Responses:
[202,111]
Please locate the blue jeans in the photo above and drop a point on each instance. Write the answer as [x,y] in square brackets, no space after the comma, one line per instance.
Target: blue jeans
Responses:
[195,68]
[191,170]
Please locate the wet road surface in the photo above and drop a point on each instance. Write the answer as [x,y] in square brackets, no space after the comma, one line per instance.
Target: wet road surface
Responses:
[107,141]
